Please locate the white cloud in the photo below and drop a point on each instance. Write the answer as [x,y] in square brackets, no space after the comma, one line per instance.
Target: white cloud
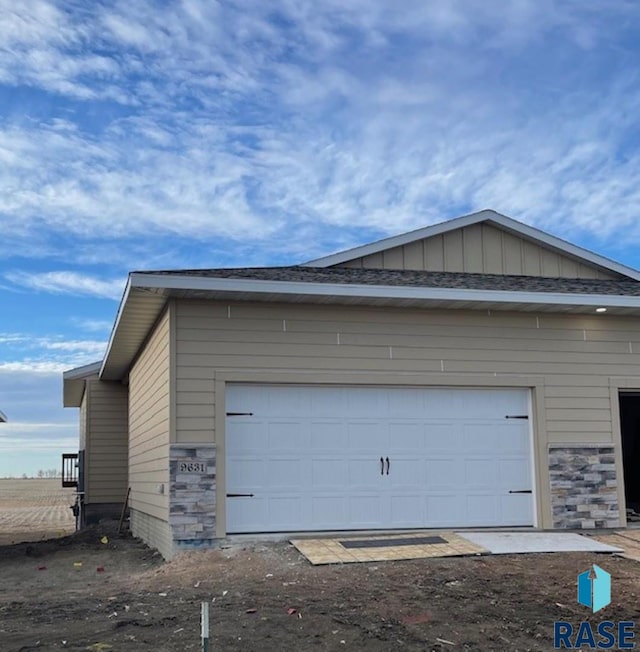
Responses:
[87,347]
[46,356]
[94,325]
[44,367]
[29,426]
[22,444]
[261,121]
[65,282]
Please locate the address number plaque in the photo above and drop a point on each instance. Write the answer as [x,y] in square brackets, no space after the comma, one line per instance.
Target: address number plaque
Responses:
[188,466]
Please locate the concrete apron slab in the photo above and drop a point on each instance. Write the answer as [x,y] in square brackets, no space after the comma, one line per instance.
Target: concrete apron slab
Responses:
[503,543]
[332,551]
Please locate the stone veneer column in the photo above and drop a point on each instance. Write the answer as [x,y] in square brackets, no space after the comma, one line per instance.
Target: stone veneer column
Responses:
[584,487]
[192,495]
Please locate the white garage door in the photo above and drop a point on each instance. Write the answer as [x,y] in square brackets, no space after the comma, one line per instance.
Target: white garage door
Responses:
[332,458]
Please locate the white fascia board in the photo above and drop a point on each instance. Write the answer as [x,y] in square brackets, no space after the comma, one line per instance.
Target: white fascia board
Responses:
[250,286]
[3,417]
[490,216]
[82,372]
[114,330]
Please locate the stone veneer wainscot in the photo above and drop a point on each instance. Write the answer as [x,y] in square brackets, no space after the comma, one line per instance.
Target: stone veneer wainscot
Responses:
[584,487]
[192,497]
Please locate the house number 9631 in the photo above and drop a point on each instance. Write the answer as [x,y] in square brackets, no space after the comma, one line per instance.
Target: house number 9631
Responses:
[192,467]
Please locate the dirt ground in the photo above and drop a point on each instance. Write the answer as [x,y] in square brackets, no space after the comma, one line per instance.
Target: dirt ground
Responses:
[77,593]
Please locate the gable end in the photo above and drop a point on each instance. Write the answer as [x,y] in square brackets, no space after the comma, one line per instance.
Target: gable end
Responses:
[482,248]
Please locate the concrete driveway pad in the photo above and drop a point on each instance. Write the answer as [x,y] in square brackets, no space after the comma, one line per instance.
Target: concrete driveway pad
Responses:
[502,543]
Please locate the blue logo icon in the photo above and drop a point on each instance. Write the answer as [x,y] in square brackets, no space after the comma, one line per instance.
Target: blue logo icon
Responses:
[594,588]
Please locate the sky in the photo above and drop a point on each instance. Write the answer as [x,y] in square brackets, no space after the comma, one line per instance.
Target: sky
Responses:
[156,135]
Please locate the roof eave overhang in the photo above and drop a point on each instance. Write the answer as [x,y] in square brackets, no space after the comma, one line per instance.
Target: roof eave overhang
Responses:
[147,294]
[73,383]
[3,417]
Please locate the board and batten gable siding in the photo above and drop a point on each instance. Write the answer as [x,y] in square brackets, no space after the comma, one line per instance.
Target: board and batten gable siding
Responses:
[568,360]
[105,416]
[481,249]
[149,425]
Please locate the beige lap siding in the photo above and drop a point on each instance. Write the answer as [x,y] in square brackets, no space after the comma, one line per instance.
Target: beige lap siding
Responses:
[149,432]
[154,531]
[567,359]
[83,422]
[106,452]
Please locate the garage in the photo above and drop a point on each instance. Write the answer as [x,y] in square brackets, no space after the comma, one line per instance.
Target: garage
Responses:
[336,457]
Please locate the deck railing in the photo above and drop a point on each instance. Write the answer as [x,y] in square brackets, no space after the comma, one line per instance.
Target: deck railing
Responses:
[69,469]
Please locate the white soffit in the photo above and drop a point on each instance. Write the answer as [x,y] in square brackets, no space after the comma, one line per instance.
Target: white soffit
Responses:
[73,382]
[491,217]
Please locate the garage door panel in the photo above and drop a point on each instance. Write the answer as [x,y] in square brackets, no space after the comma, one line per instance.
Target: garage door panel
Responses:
[364,473]
[287,435]
[407,510]
[365,436]
[257,399]
[480,473]
[327,435]
[298,404]
[442,438]
[365,511]
[483,509]
[329,401]
[443,509]
[405,472]
[443,473]
[515,508]
[514,474]
[244,435]
[245,513]
[479,437]
[285,474]
[439,404]
[405,436]
[513,439]
[409,401]
[311,457]
[365,402]
[245,472]
[285,512]
[328,512]
[329,473]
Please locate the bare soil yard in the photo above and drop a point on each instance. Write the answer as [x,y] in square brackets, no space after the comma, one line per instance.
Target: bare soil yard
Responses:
[77,593]
[84,592]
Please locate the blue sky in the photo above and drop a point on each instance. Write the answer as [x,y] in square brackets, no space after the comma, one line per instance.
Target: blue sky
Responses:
[153,135]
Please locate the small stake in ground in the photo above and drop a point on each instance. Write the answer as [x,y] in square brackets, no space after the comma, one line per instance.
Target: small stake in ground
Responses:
[204,622]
